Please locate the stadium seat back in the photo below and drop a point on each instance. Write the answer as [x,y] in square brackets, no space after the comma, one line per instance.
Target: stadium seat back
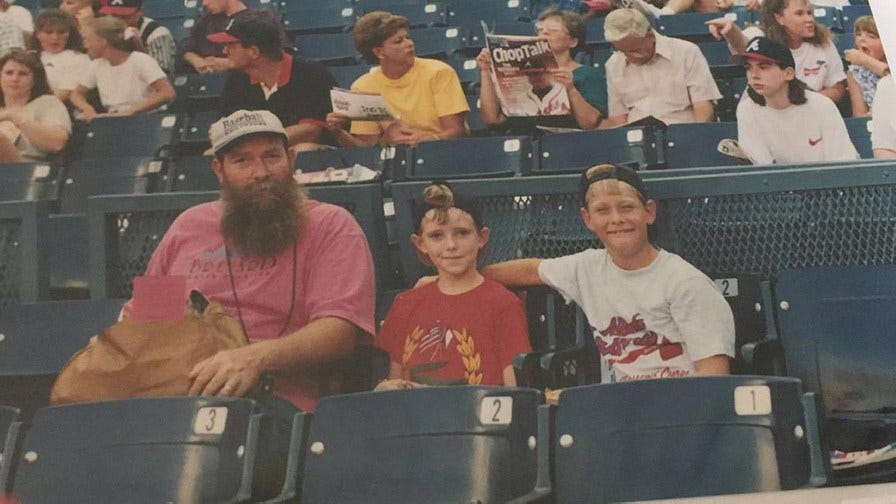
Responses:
[196,92]
[594,31]
[436,42]
[328,48]
[192,173]
[435,444]
[178,26]
[165,9]
[845,41]
[346,75]
[39,338]
[469,157]
[29,181]
[474,116]
[692,25]
[469,13]
[679,438]
[138,135]
[859,129]
[468,72]
[849,14]
[179,449]
[835,329]
[108,175]
[575,151]
[419,14]
[695,144]
[193,129]
[828,16]
[319,19]
[24,252]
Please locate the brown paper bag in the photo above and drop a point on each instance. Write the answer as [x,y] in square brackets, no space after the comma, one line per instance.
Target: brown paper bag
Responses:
[138,359]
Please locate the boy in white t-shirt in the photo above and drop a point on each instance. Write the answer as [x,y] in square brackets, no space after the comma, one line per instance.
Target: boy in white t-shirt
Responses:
[780,121]
[653,315]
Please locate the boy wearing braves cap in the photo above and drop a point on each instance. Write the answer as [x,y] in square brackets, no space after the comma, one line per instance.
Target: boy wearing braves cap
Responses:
[652,314]
[782,121]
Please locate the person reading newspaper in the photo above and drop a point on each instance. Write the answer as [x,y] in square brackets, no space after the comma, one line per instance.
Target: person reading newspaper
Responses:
[549,88]
[423,94]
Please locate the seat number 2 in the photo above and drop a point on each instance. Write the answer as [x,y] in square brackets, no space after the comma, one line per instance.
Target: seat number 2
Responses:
[496,410]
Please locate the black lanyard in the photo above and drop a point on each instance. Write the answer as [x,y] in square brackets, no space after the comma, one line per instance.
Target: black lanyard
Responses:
[292,299]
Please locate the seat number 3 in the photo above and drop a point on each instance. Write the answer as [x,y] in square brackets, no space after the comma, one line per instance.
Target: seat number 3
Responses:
[210,420]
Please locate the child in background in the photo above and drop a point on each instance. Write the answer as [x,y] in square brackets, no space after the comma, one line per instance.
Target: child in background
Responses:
[791,24]
[129,81]
[781,122]
[461,328]
[868,64]
[652,314]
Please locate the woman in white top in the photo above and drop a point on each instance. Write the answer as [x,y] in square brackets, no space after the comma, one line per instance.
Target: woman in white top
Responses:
[129,82]
[61,51]
[34,123]
[17,16]
[791,23]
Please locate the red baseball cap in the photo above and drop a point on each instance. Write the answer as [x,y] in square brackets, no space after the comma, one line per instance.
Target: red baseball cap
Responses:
[121,7]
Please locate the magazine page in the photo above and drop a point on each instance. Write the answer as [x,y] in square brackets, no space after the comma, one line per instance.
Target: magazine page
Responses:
[360,106]
[521,72]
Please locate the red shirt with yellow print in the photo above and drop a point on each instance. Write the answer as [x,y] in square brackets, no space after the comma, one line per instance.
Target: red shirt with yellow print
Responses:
[469,338]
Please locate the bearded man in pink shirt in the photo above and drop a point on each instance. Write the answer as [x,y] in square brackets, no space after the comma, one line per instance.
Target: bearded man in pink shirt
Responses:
[297,273]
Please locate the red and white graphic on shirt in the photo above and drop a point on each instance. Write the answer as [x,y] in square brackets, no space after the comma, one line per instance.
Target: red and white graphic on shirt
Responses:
[627,344]
[437,356]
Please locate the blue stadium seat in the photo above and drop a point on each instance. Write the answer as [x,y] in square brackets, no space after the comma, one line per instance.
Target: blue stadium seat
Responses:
[138,135]
[849,14]
[319,20]
[524,28]
[828,16]
[598,58]
[346,157]
[835,330]
[328,48]
[696,436]
[8,415]
[273,5]
[293,5]
[192,173]
[718,56]
[69,250]
[39,338]
[575,151]
[193,129]
[474,116]
[437,42]
[692,25]
[419,14]
[168,449]
[467,14]
[29,181]
[844,41]
[860,134]
[594,32]
[197,91]
[24,252]
[467,71]
[468,157]
[694,144]
[108,175]
[165,9]
[346,75]
[438,444]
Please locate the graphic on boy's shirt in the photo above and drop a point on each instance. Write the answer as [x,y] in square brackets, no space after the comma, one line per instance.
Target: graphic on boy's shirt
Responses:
[626,341]
[430,356]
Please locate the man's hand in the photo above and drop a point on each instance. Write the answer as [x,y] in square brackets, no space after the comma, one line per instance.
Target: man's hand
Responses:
[720,27]
[227,373]
[335,121]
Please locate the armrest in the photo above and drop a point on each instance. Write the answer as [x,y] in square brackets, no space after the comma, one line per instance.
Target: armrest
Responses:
[10,455]
[244,493]
[542,493]
[819,455]
[572,366]
[290,491]
[768,349]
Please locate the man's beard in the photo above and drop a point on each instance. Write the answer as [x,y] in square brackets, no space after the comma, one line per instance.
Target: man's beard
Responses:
[264,218]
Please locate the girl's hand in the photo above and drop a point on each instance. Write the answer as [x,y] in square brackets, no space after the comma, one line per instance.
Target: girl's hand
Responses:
[856,57]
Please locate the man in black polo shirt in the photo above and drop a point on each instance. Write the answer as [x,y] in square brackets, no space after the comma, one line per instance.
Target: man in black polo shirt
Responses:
[267,78]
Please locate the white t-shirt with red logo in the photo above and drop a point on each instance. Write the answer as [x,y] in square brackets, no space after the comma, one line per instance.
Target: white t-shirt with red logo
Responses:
[654,322]
[818,66]
[808,133]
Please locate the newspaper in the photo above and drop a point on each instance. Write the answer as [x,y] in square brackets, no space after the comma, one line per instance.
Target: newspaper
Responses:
[360,106]
[521,72]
